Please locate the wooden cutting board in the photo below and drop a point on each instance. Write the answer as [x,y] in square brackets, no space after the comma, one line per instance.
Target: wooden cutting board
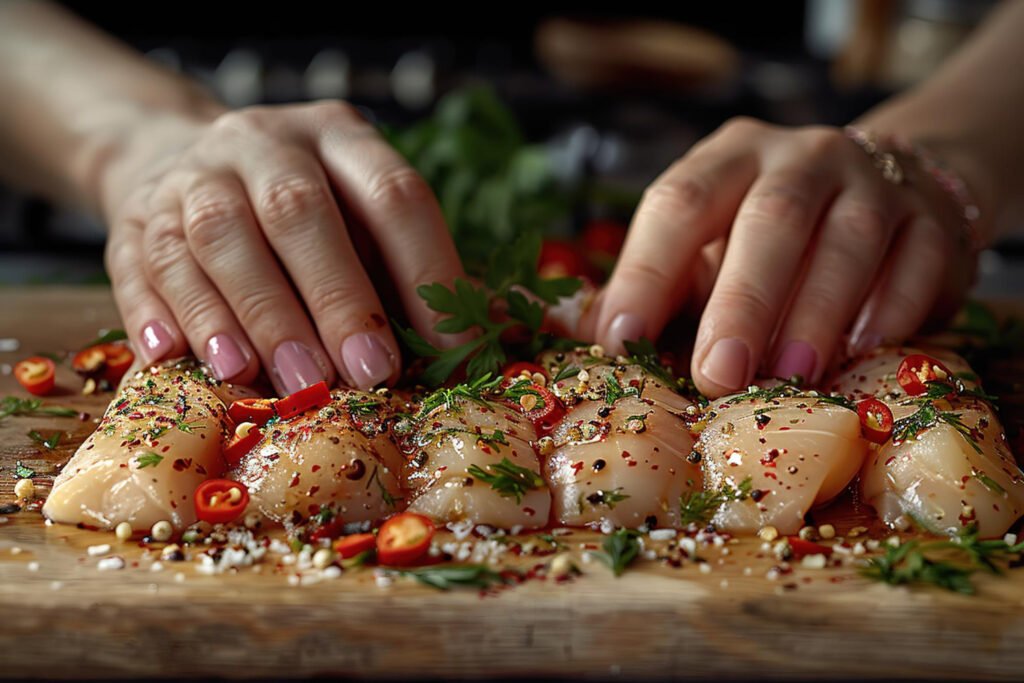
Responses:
[63,618]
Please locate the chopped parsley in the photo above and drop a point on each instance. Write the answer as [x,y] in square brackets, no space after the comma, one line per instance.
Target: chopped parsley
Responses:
[926,417]
[508,479]
[22,472]
[13,405]
[49,442]
[607,498]
[699,507]
[567,372]
[620,549]
[149,460]
[615,391]
[447,399]
[457,576]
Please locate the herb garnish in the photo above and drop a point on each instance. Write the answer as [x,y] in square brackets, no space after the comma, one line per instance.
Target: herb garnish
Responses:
[699,507]
[620,549]
[614,390]
[149,460]
[114,335]
[608,498]
[474,391]
[508,479]
[22,472]
[364,407]
[926,417]
[49,442]
[910,562]
[385,495]
[469,307]
[644,354]
[12,405]
[454,576]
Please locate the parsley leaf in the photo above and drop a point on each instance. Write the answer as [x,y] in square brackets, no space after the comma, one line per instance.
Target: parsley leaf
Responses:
[149,460]
[699,507]
[455,576]
[49,442]
[607,498]
[508,479]
[108,336]
[22,472]
[12,405]
[620,549]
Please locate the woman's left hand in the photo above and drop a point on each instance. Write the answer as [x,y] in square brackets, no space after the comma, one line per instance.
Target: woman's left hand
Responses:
[808,239]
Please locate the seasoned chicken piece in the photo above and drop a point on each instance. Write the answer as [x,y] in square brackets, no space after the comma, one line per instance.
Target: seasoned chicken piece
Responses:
[159,439]
[948,465]
[622,460]
[797,451]
[473,459]
[338,457]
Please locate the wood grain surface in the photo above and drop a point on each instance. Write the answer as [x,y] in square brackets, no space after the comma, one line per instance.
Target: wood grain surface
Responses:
[62,618]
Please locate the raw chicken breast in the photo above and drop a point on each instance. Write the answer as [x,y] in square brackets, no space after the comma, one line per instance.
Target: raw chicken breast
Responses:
[338,457]
[624,462]
[159,439]
[798,451]
[874,373]
[954,470]
[445,443]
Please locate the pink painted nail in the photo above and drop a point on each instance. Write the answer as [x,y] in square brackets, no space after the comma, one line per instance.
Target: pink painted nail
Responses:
[863,341]
[225,356]
[368,359]
[296,367]
[726,363]
[624,327]
[798,358]
[158,340]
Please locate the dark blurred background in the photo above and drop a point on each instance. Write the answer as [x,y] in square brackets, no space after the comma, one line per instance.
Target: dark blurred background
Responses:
[611,96]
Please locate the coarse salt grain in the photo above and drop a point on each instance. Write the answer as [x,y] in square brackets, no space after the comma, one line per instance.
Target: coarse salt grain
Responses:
[688,546]
[663,534]
[815,561]
[110,563]
[705,568]
[97,550]
[33,566]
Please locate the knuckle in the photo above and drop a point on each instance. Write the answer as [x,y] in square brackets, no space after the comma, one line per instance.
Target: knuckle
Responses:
[333,111]
[256,306]
[863,225]
[650,276]
[210,220]
[244,121]
[201,313]
[741,125]
[685,196]
[164,247]
[742,302]
[824,141]
[400,186]
[784,205]
[291,199]
[335,294]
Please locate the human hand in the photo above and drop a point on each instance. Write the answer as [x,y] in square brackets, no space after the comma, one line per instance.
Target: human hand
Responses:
[226,236]
[815,240]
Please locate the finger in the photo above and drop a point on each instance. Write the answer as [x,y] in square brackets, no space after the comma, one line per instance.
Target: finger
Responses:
[301,220]
[772,230]
[688,206]
[201,313]
[227,245]
[844,260]
[386,195]
[150,323]
[907,289]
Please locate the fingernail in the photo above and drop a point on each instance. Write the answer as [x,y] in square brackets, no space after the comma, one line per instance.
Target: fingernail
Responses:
[624,327]
[798,358]
[864,341]
[225,356]
[368,359]
[296,367]
[159,341]
[726,363]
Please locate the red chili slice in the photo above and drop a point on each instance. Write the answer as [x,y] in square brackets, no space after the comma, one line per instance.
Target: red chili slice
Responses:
[118,359]
[404,538]
[315,396]
[89,362]
[561,259]
[240,445]
[801,548]
[875,420]
[603,237]
[36,374]
[546,413]
[255,410]
[219,501]
[918,369]
[514,371]
[329,530]
[350,546]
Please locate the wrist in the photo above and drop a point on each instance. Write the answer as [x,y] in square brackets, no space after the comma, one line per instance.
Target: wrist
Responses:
[129,139]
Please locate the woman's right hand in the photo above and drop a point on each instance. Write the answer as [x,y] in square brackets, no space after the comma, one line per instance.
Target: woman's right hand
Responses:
[228,235]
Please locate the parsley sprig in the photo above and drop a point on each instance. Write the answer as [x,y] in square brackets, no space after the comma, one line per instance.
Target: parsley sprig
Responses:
[699,507]
[13,405]
[946,564]
[619,550]
[455,576]
[508,479]
[470,307]
[50,442]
